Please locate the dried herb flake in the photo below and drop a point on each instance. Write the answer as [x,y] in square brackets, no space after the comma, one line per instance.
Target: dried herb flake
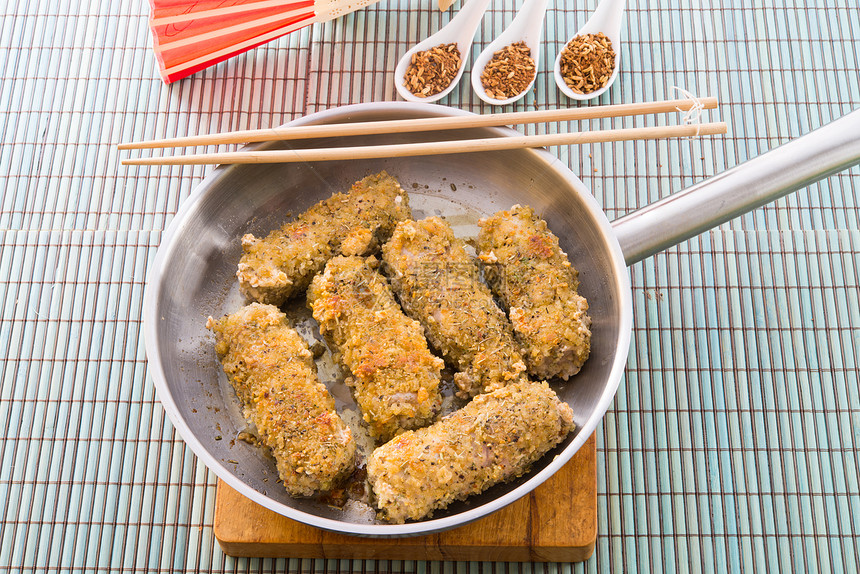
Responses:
[509,72]
[587,62]
[433,70]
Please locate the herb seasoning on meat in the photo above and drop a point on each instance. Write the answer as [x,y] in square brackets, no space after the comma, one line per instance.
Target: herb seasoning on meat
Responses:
[528,271]
[274,375]
[493,439]
[394,378]
[438,284]
[282,264]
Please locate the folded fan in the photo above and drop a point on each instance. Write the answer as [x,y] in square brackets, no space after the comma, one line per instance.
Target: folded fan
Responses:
[190,35]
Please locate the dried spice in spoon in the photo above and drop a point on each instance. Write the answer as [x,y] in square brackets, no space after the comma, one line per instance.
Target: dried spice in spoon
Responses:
[509,72]
[433,70]
[587,62]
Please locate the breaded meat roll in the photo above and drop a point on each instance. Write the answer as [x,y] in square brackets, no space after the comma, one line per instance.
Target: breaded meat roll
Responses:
[282,264]
[537,284]
[437,283]
[494,438]
[393,376]
[274,375]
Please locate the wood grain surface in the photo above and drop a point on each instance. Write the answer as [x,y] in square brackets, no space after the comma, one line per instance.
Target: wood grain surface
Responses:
[557,522]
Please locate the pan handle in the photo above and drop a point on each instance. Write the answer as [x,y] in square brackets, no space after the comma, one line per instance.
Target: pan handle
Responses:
[796,164]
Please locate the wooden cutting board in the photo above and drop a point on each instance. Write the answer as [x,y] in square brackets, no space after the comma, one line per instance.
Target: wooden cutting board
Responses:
[557,522]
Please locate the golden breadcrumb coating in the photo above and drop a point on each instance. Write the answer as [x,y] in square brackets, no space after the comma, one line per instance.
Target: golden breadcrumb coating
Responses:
[394,377]
[274,375]
[437,283]
[535,281]
[496,437]
[282,264]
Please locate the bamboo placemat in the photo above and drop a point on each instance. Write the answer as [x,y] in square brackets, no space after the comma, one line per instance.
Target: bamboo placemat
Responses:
[732,444]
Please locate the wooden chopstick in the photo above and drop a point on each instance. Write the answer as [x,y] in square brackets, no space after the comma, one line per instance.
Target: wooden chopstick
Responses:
[425,124]
[434,148]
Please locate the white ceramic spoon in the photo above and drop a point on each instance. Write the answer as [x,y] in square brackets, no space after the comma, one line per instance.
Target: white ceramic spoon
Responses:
[461,31]
[526,27]
[607,18]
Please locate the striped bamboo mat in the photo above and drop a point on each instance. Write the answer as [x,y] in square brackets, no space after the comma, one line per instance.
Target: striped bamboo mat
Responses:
[733,442]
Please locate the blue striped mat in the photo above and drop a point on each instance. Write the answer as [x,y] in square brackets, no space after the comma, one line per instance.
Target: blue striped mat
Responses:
[732,445]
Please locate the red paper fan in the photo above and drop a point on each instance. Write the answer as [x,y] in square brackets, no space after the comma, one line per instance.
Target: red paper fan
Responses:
[190,35]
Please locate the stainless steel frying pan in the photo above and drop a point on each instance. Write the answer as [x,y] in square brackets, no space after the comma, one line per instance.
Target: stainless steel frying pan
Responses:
[193,276]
